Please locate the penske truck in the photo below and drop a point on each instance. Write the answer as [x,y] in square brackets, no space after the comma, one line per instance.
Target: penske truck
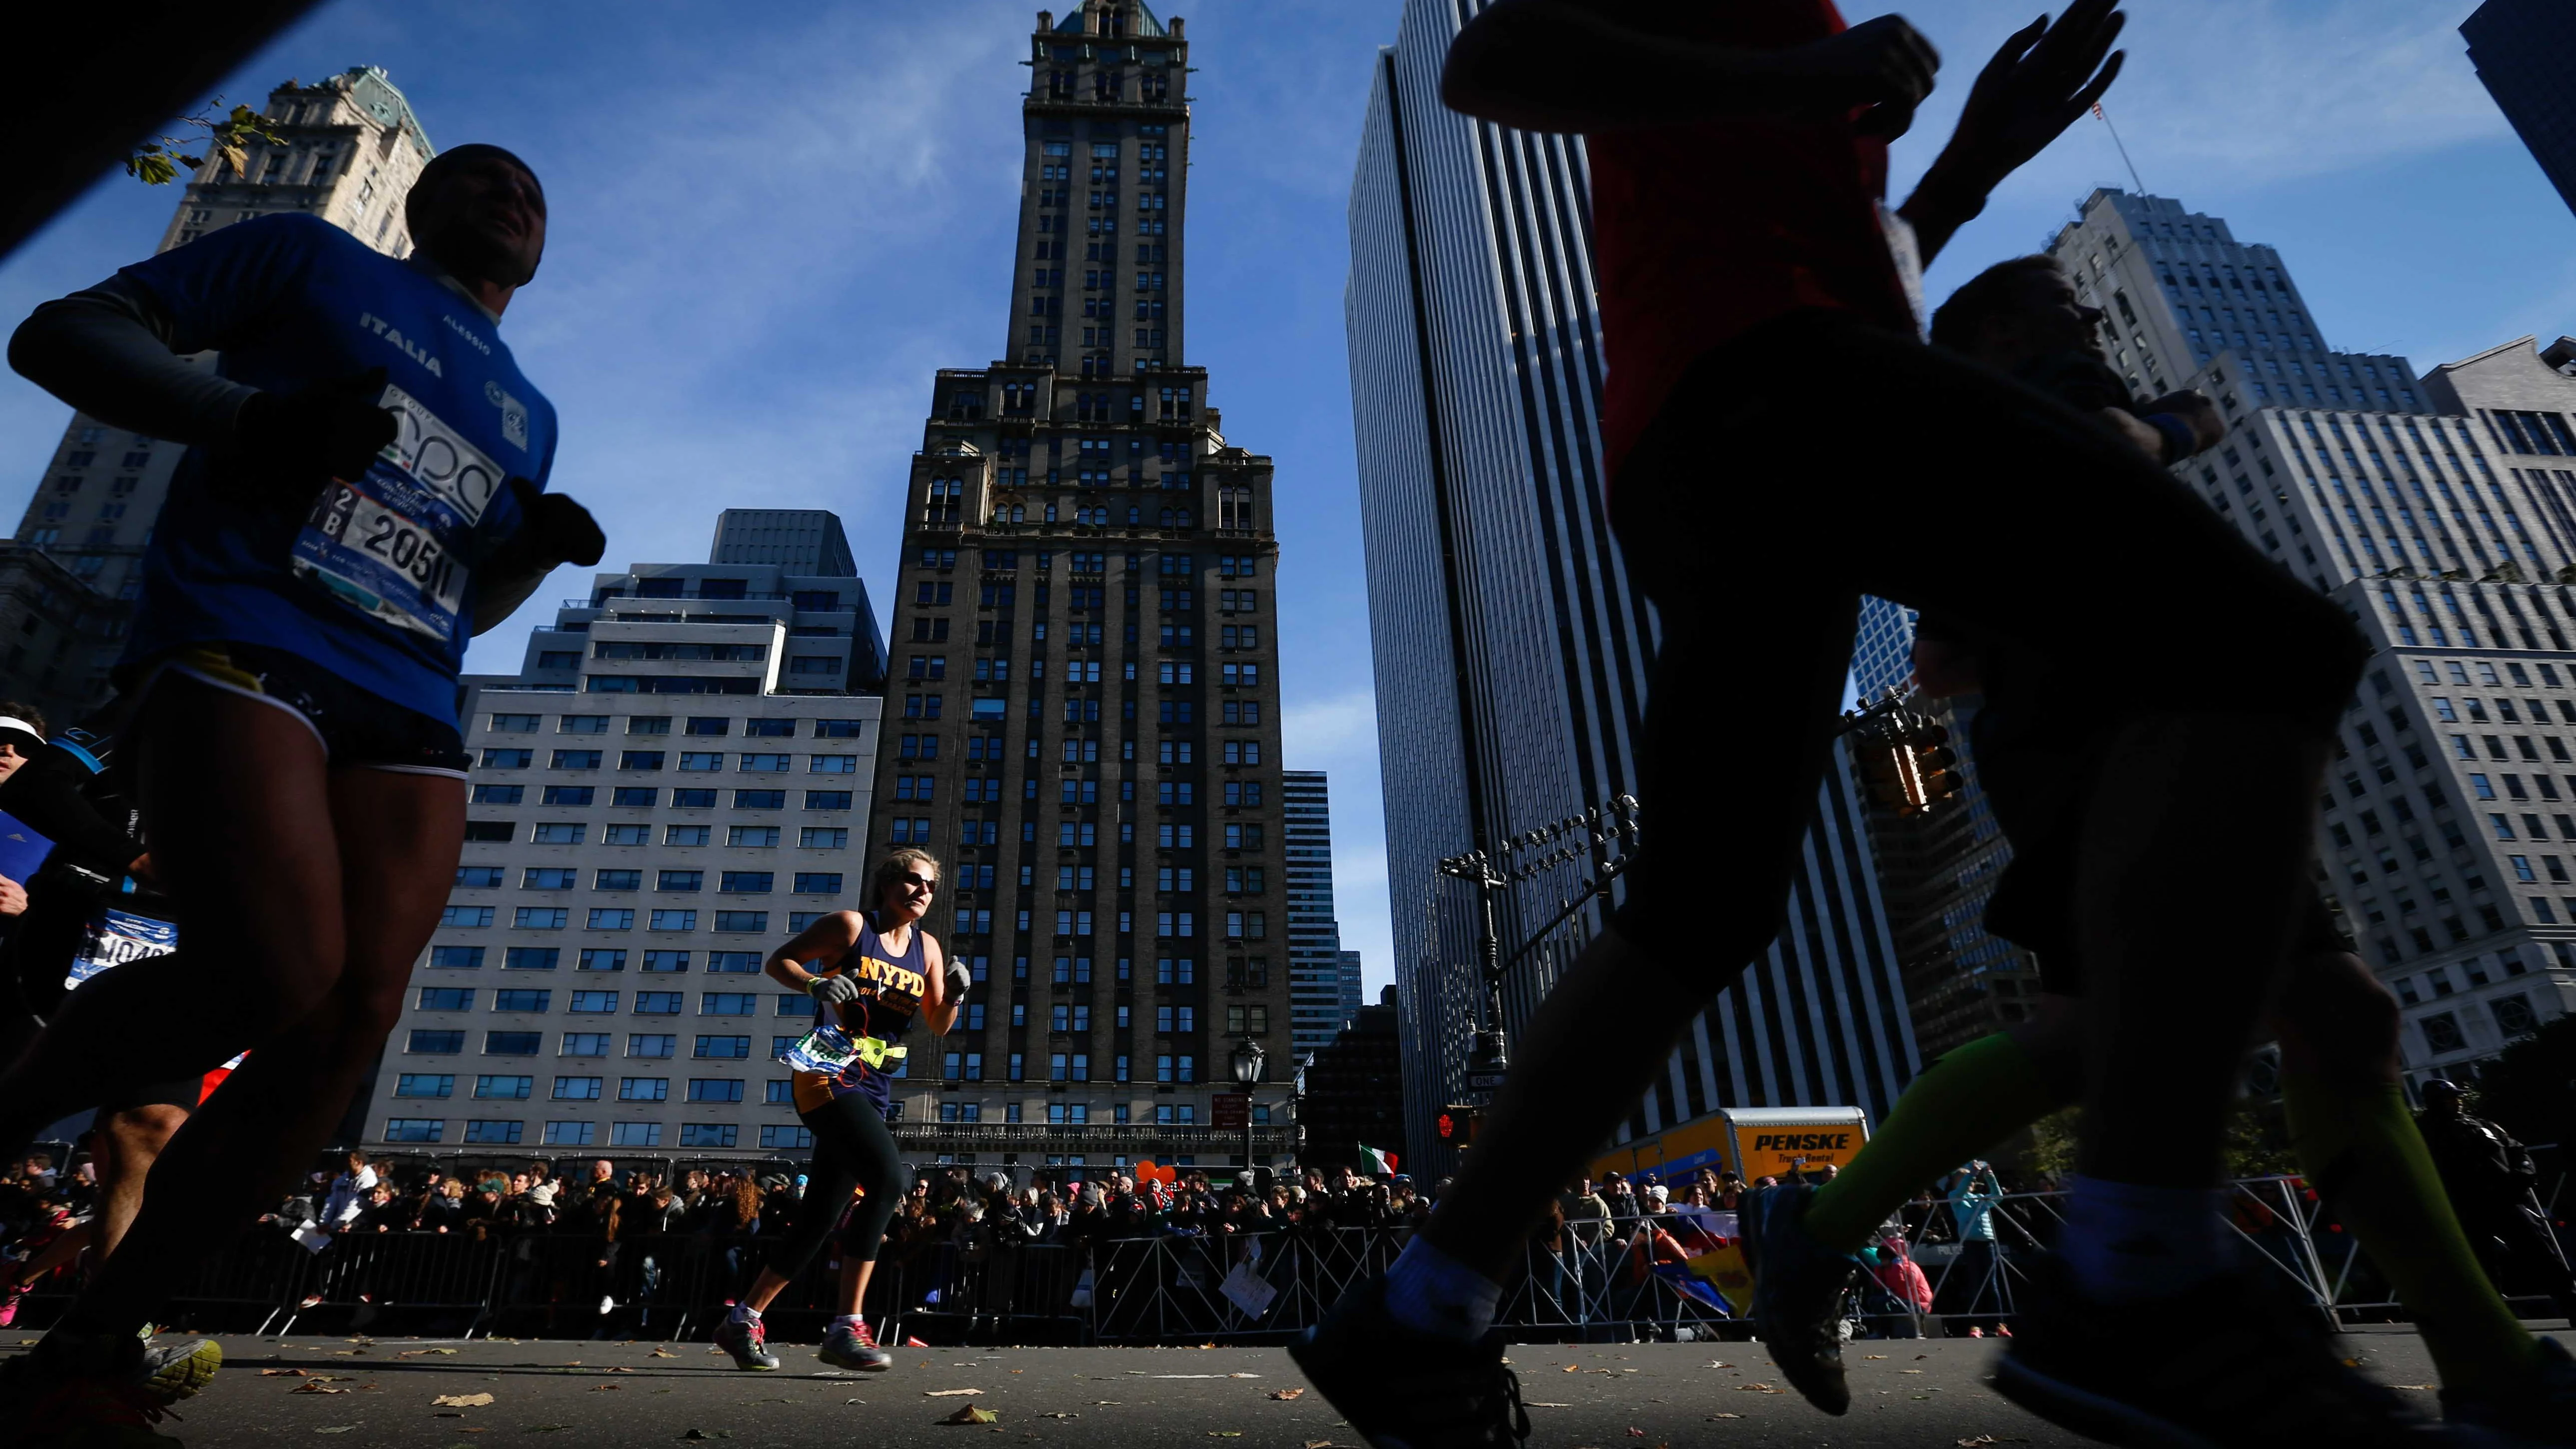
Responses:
[1756,1142]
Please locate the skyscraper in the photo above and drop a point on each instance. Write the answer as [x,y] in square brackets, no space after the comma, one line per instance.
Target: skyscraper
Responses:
[2188,305]
[2437,513]
[2522,49]
[1089,699]
[353,149]
[1352,995]
[1510,647]
[1315,1010]
[662,793]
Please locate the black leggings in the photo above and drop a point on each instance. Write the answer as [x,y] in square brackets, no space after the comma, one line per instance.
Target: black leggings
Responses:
[852,1148]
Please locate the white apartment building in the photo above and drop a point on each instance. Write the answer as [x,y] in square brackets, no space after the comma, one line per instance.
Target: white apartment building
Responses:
[665,792]
[2441,512]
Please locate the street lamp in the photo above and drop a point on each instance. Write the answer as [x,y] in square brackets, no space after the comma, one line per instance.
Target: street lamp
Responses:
[1248,1062]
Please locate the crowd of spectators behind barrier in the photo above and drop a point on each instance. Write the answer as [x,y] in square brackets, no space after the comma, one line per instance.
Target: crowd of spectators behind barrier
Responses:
[1596,1234]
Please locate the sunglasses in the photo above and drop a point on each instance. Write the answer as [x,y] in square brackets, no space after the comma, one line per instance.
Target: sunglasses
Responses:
[918,881]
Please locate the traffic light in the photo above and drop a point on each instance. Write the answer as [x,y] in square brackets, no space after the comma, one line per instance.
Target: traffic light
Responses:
[1907,762]
[1456,1125]
[1936,765]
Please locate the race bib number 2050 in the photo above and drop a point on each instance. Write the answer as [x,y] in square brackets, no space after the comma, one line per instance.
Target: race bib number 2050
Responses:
[391,545]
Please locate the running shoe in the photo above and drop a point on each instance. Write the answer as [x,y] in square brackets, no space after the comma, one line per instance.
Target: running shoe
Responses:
[1798,1288]
[80,1391]
[9,1302]
[748,1341]
[2539,1410]
[2233,1364]
[176,1371]
[1403,1389]
[849,1346]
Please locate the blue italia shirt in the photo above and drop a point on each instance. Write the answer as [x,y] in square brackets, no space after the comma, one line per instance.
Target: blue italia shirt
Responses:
[372,584]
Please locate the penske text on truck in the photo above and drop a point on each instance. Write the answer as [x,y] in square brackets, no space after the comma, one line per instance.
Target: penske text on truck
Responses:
[1756,1142]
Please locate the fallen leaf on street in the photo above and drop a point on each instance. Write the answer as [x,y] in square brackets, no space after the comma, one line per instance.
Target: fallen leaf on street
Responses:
[972,1414]
[1287,1393]
[1574,1368]
[335,1429]
[286,1373]
[462,1401]
[1909,1371]
[1319,1444]
[1755,1389]
[417,1352]
[605,1388]
[315,1386]
[947,1393]
[1636,1433]
[1873,1355]
[1721,1364]
[1918,1358]
[664,1353]
[1726,1416]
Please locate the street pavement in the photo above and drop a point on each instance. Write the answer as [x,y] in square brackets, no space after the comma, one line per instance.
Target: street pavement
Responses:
[555,1394]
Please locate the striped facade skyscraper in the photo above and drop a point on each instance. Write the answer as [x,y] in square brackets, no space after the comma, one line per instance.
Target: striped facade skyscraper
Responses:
[1315,990]
[1511,649]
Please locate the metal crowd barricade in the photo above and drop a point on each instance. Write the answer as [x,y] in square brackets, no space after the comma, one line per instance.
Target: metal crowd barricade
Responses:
[1169,1288]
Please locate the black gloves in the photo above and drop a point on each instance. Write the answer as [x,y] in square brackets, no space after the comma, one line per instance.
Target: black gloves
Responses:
[288,446]
[557,529]
[832,990]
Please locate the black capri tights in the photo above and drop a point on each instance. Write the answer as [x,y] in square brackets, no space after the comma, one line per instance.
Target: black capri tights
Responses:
[852,1148]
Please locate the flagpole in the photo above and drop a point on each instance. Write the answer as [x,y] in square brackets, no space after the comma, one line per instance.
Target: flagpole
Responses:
[2105,118]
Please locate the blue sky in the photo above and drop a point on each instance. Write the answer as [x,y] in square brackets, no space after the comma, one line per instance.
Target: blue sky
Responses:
[768,233]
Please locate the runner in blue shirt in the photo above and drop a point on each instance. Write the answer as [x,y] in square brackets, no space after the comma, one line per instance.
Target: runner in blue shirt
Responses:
[364,489]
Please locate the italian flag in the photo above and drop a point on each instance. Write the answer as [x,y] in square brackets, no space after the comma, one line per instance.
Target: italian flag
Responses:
[1380,1163]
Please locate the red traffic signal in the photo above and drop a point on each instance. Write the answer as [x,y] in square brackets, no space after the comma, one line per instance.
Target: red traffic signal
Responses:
[1455,1125]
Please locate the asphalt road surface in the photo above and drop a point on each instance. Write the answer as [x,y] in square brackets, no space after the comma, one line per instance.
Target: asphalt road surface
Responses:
[358,1393]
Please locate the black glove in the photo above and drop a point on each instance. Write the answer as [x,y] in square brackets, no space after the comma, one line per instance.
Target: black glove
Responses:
[832,990]
[288,446]
[558,529]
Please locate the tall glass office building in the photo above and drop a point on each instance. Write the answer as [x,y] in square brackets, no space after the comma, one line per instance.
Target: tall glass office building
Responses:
[1511,648]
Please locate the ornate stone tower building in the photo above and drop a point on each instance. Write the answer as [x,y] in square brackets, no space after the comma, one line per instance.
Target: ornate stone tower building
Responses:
[1082,709]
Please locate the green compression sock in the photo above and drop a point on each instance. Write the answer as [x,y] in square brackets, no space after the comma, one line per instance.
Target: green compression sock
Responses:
[2360,1148]
[1962,1105]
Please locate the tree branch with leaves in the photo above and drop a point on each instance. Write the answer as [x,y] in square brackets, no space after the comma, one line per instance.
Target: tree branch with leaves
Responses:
[158,162]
